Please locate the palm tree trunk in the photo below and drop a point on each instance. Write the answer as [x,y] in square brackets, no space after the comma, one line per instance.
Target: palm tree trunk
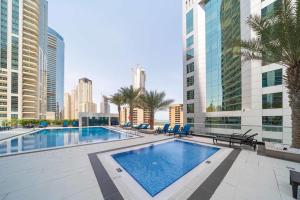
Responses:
[152,120]
[296,124]
[119,111]
[131,115]
[293,85]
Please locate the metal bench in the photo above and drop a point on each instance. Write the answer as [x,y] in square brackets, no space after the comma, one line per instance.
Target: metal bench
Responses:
[295,182]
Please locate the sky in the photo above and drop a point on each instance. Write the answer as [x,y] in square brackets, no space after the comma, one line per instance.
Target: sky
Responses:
[104,39]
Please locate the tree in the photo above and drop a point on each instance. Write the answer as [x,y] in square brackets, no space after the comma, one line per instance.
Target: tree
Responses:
[118,100]
[154,101]
[131,98]
[278,41]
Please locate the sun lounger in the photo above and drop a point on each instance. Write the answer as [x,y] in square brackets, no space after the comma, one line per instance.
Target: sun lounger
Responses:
[175,130]
[185,130]
[247,140]
[164,129]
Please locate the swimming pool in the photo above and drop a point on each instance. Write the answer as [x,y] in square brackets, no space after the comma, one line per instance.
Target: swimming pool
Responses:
[158,166]
[54,138]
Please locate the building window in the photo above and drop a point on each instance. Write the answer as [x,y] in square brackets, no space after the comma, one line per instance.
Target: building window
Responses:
[269,10]
[190,108]
[15,53]
[223,69]
[272,123]
[190,94]
[223,122]
[272,78]
[271,101]
[189,41]
[14,116]
[190,81]
[14,104]
[271,140]
[189,22]
[190,68]
[190,54]
[3,28]
[190,121]
[15,16]
[14,83]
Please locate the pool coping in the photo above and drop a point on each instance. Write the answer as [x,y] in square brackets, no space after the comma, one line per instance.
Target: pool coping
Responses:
[64,147]
[207,188]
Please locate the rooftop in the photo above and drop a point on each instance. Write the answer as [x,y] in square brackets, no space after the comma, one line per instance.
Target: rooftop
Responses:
[74,173]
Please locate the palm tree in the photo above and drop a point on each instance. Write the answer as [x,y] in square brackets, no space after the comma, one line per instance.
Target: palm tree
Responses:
[278,41]
[118,100]
[131,98]
[154,101]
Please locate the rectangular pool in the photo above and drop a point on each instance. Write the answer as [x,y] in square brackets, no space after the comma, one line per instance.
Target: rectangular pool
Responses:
[158,166]
[53,138]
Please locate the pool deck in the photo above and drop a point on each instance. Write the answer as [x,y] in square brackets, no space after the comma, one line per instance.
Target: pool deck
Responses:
[68,174]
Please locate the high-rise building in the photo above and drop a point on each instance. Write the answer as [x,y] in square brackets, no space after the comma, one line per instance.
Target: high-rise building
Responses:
[55,74]
[139,78]
[176,114]
[21,61]
[81,99]
[104,105]
[222,94]
[85,96]
[139,115]
[43,58]
[67,106]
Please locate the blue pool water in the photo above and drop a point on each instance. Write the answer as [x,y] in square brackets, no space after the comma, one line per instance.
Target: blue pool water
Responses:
[51,138]
[158,166]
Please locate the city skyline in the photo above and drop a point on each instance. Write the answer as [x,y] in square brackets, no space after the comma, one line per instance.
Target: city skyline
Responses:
[108,62]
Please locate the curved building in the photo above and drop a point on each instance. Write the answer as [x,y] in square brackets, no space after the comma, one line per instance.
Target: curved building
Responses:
[20,63]
[55,75]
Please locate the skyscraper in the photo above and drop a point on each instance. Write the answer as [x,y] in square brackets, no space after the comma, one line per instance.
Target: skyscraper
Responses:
[222,94]
[80,99]
[104,105]
[43,58]
[139,78]
[55,74]
[176,114]
[20,65]
[67,106]
[139,115]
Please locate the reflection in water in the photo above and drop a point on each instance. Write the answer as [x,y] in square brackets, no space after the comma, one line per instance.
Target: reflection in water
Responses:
[51,138]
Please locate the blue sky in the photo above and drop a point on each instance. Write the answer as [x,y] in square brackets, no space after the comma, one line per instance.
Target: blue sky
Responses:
[104,39]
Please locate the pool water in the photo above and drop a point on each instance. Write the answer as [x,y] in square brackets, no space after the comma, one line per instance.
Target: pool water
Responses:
[158,166]
[51,138]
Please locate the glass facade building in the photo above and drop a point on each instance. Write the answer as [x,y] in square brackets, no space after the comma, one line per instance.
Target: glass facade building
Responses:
[55,73]
[223,68]
[222,94]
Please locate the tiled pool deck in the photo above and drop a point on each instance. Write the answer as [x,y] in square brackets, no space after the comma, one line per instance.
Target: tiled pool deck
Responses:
[68,174]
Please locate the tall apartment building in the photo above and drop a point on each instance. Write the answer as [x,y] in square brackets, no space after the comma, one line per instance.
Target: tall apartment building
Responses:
[176,114]
[139,115]
[139,78]
[22,26]
[55,74]
[222,94]
[104,105]
[67,106]
[80,99]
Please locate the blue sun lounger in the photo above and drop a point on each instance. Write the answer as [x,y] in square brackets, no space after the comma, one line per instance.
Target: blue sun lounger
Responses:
[185,130]
[175,129]
[164,129]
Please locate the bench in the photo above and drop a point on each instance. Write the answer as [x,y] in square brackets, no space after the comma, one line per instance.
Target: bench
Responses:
[295,182]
